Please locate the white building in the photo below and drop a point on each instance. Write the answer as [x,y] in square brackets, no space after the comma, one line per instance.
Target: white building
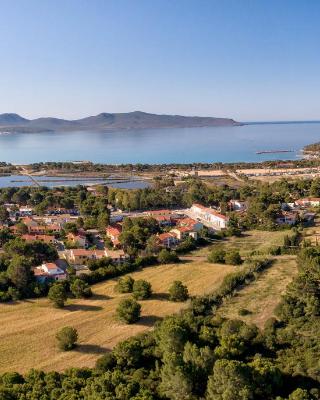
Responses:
[209,217]
[287,218]
[237,205]
[308,202]
[49,270]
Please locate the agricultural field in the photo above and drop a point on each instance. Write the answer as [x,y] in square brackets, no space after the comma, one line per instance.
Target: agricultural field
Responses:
[261,297]
[28,328]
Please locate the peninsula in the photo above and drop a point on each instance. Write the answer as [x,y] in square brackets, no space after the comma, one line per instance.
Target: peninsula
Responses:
[106,121]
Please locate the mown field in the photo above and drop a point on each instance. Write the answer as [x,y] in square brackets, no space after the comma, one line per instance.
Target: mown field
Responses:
[28,328]
[262,296]
[256,241]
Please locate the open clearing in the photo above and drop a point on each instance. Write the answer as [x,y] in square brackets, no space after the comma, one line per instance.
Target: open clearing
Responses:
[255,241]
[28,328]
[262,296]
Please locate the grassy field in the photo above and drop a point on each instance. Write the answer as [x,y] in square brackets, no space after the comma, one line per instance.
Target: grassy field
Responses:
[312,233]
[28,328]
[258,241]
[262,295]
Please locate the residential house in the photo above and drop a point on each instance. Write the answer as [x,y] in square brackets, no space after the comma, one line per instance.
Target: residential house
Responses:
[287,218]
[237,205]
[167,239]
[39,227]
[49,270]
[289,206]
[191,223]
[308,202]
[81,256]
[79,239]
[25,211]
[41,238]
[117,256]
[163,217]
[113,232]
[182,232]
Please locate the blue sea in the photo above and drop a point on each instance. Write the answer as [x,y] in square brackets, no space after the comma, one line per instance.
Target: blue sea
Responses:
[225,144]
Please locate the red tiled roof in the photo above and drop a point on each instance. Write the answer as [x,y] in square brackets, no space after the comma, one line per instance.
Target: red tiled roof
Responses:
[114,230]
[165,235]
[44,238]
[51,265]
[115,253]
[100,253]
[187,222]
[161,218]
[308,199]
[82,252]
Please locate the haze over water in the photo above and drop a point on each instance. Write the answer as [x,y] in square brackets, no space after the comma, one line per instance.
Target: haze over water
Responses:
[224,144]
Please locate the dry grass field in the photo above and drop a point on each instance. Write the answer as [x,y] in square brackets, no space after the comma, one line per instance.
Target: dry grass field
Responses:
[258,241]
[28,328]
[312,233]
[262,296]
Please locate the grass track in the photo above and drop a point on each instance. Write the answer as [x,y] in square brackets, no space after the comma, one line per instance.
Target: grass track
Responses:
[262,296]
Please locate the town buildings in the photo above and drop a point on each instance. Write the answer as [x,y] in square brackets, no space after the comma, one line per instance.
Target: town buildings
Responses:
[81,256]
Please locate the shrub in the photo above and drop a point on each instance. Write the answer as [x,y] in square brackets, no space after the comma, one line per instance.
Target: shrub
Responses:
[275,250]
[217,256]
[141,289]
[58,295]
[233,257]
[106,362]
[145,261]
[243,312]
[11,378]
[128,311]
[125,285]
[178,291]
[14,293]
[67,338]
[80,289]
[187,245]
[167,257]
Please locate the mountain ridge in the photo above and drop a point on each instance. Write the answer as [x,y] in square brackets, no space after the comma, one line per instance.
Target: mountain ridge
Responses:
[109,121]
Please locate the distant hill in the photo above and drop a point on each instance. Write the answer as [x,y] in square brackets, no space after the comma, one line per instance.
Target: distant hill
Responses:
[107,121]
[12,119]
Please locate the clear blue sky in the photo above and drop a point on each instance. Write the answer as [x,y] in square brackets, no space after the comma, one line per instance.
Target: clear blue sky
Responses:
[249,60]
